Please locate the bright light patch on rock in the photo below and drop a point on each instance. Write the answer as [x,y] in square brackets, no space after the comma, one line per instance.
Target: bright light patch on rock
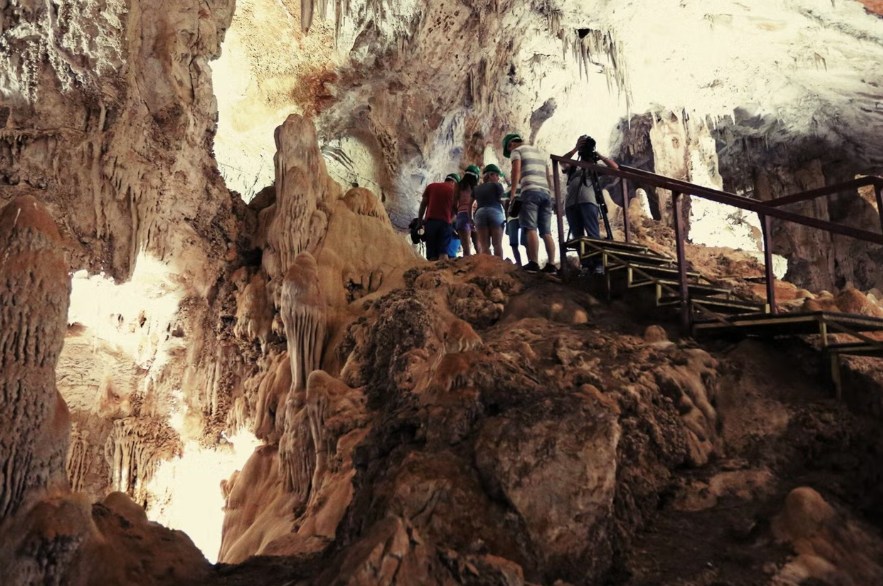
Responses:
[189,489]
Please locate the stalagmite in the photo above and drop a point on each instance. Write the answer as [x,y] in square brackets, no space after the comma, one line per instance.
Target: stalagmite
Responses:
[303,313]
[34,296]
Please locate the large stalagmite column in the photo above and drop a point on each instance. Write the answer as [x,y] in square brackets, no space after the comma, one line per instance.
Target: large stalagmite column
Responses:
[34,295]
[304,314]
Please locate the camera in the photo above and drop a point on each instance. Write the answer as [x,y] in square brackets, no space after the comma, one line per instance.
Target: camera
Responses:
[588,152]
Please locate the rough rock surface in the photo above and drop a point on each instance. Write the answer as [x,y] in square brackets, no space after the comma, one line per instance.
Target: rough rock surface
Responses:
[410,419]
[47,534]
[35,288]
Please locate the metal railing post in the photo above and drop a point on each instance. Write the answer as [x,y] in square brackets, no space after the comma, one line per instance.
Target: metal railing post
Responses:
[625,209]
[680,232]
[559,207]
[768,261]
[878,191]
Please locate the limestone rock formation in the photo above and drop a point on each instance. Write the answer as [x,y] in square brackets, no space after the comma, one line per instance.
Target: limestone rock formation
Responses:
[47,534]
[450,423]
[33,416]
[339,250]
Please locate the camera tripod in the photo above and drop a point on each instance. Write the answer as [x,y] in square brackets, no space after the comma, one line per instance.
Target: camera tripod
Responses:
[599,197]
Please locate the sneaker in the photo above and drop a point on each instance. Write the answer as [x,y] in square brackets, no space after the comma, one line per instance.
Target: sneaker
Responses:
[599,269]
[531,267]
[550,268]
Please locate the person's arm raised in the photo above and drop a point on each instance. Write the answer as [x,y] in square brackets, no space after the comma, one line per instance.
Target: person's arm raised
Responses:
[609,162]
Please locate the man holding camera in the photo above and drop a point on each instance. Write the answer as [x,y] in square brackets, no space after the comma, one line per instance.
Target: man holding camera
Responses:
[436,209]
[581,206]
[531,173]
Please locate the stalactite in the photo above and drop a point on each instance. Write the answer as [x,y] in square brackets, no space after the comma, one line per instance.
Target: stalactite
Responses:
[590,48]
[77,458]
[342,9]
[303,313]
[134,449]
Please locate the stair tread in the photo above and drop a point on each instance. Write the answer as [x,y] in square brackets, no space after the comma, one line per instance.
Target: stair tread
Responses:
[727,304]
[855,348]
[697,287]
[660,269]
[632,258]
[606,244]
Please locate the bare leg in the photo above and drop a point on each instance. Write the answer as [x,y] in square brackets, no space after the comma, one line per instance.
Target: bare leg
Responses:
[466,241]
[550,247]
[484,240]
[497,238]
[517,254]
[443,256]
[533,245]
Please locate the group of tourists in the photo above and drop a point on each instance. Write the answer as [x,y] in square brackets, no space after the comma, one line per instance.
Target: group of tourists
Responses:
[477,208]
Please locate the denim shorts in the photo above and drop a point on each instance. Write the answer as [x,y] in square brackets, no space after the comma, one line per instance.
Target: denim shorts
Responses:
[489,217]
[512,230]
[438,238]
[536,212]
[463,221]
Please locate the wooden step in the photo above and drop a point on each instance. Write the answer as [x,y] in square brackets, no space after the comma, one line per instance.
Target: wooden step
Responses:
[696,289]
[623,257]
[607,244]
[729,307]
[656,270]
[856,349]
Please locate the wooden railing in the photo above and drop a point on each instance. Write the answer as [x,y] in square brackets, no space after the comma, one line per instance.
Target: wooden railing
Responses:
[766,210]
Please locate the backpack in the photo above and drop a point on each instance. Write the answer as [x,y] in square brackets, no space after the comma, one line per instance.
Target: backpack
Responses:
[418,234]
[514,207]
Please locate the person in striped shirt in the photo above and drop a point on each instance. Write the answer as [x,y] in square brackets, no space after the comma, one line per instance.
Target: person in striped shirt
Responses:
[530,172]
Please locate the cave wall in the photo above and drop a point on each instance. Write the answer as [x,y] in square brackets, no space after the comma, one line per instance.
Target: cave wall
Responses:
[48,534]
[107,116]
[758,159]
[112,128]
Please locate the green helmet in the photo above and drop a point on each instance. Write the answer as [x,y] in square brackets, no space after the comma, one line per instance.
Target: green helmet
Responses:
[453,177]
[473,170]
[492,169]
[509,138]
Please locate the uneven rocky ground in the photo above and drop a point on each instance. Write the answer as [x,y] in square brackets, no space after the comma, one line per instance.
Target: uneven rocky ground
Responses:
[478,425]
[474,455]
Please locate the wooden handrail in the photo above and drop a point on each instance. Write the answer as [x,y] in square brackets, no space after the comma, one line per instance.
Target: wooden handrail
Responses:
[827,190]
[766,211]
[731,199]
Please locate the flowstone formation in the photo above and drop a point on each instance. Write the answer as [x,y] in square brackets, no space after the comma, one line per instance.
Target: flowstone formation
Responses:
[323,254]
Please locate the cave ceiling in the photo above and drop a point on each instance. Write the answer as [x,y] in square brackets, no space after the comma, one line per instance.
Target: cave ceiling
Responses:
[405,91]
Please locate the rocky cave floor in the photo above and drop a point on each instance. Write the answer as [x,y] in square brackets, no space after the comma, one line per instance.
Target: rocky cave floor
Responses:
[772,427]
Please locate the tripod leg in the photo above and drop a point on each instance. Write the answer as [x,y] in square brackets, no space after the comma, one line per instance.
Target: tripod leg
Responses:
[599,196]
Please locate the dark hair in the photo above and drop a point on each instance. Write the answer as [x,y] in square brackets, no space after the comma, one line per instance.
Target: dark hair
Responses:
[468,183]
